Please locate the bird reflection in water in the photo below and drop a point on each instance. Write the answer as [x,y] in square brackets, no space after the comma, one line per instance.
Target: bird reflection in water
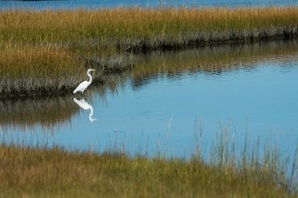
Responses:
[86,106]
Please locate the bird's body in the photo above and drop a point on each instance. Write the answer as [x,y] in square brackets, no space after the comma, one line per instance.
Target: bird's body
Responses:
[85,84]
[82,86]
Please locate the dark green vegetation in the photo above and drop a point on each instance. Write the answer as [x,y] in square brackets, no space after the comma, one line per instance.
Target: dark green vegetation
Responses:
[47,52]
[29,172]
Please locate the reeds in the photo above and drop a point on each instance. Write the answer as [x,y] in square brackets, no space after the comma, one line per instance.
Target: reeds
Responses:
[28,70]
[42,172]
[130,27]
[51,47]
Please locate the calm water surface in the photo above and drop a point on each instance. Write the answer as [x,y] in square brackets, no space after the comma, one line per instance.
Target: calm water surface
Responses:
[252,94]
[69,4]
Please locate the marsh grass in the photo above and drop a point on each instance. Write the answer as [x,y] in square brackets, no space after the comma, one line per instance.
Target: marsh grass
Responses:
[54,172]
[30,70]
[47,51]
[157,26]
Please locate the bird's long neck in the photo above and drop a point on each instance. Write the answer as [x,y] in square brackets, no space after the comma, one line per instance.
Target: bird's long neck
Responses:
[90,77]
[91,114]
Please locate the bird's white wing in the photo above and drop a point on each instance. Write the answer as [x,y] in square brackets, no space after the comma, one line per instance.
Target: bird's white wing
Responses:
[81,87]
[83,104]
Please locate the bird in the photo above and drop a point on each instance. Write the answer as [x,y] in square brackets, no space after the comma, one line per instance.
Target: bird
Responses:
[85,84]
[85,105]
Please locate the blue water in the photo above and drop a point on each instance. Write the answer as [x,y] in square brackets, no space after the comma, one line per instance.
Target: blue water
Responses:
[69,4]
[172,114]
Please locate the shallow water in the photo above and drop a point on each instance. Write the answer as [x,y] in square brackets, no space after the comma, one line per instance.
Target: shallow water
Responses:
[69,4]
[184,100]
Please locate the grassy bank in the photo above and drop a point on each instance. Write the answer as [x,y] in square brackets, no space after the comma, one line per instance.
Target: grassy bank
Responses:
[47,52]
[45,70]
[139,28]
[36,70]
[29,172]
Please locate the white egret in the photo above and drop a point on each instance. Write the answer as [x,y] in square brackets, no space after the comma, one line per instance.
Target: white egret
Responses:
[85,105]
[83,85]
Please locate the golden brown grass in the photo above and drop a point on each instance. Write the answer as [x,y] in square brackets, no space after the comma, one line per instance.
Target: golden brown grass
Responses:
[51,46]
[29,70]
[39,61]
[123,23]
[29,172]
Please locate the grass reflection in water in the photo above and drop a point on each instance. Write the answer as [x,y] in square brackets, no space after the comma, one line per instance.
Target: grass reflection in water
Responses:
[47,112]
